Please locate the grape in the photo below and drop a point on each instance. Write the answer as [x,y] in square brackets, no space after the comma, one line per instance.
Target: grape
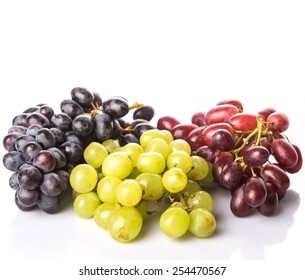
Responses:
[151,162]
[46,110]
[220,114]
[83,125]
[255,192]
[278,122]
[201,199]
[256,156]
[270,205]
[64,178]
[20,120]
[179,159]
[265,113]
[85,204]
[117,164]
[149,135]
[51,184]
[106,189]
[223,140]
[103,126]
[128,192]
[59,156]
[167,123]
[158,145]
[200,168]
[17,129]
[115,107]
[151,185]
[198,118]
[234,102]
[83,178]
[181,131]
[133,150]
[62,121]
[284,153]
[104,212]
[13,181]
[190,188]
[125,224]
[231,175]
[45,138]
[128,138]
[28,198]
[9,141]
[208,153]
[21,141]
[195,139]
[13,160]
[82,96]
[48,204]
[111,145]
[202,222]
[141,128]
[95,154]
[29,177]
[180,145]
[33,129]
[238,204]
[37,118]
[71,108]
[174,222]
[144,112]
[243,122]
[220,162]
[174,180]
[299,164]
[72,151]
[207,133]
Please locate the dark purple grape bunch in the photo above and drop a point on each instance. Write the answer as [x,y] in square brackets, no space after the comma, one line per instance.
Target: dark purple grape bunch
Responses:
[250,155]
[43,146]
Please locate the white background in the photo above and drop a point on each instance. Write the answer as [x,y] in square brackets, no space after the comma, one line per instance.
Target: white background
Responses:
[180,57]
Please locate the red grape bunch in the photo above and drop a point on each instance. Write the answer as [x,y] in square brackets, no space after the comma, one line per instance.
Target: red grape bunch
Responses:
[251,156]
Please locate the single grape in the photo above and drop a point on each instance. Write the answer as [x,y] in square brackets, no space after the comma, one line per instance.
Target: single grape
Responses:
[37,118]
[270,205]
[201,199]
[167,123]
[106,189]
[200,168]
[174,222]
[202,222]
[145,112]
[29,177]
[22,140]
[256,156]
[128,192]
[95,154]
[85,204]
[82,96]
[180,159]
[59,156]
[255,192]
[46,110]
[158,145]
[181,131]
[125,224]
[223,140]
[278,122]
[238,204]
[198,118]
[149,135]
[48,204]
[116,107]
[83,125]
[208,153]
[133,150]
[51,184]
[207,133]
[299,164]
[72,151]
[117,164]
[17,129]
[195,139]
[284,153]
[220,114]
[174,180]
[27,197]
[13,160]
[104,212]
[71,108]
[151,162]
[62,121]
[111,145]
[180,145]
[13,181]
[103,126]
[231,175]
[234,102]
[83,178]
[9,141]
[243,122]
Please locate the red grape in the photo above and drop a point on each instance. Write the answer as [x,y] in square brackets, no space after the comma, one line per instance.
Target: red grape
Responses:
[195,138]
[198,118]
[234,102]
[243,122]
[167,123]
[284,153]
[238,205]
[265,113]
[299,164]
[181,131]
[208,153]
[271,203]
[256,156]
[223,140]
[220,114]
[207,133]
[278,122]
[255,192]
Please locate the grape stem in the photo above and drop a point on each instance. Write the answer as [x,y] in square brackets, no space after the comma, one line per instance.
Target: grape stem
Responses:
[136,105]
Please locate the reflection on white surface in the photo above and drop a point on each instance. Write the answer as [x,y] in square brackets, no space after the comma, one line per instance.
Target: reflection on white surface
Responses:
[37,235]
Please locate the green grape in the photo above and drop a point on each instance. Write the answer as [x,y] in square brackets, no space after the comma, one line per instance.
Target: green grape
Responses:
[199,169]
[143,208]
[180,159]
[106,188]
[209,178]
[83,178]
[168,137]
[201,199]
[125,224]
[191,187]
[85,204]
[104,212]
[117,164]
[151,185]
[158,145]
[174,222]
[151,162]
[134,173]
[129,192]
[174,180]
[94,154]
[202,222]
[133,150]
[111,145]
[148,135]
[180,145]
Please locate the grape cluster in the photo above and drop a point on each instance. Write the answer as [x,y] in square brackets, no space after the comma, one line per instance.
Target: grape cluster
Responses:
[120,185]
[251,156]
[43,146]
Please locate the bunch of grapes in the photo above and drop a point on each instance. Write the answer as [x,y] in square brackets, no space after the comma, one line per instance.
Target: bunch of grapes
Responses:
[120,185]
[43,146]
[251,156]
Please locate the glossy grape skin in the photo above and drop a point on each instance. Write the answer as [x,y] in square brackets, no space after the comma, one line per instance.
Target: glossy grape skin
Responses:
[141,128]
[62,121]
[145,112]
[117,164]
[13,181]
[45,138]
[181,131]
[59,156]
[83,178]
[151,162]
[28,198]
[85,204]
[220,161]
[278,122]
[151,185]
[104,212]
[48,204]
[299,163]
[256,156]
[265,113]
[198,118]
[201,199]
[231,175]
[33,129]
[255,192]
[194,138]
[202,222]
[83,125]
[29,177]
[103,126]
[239,207]
[128,192]
[9,141]
[220,114]
[207,133]
[30,150]
[115,107]
[270,205]
[82,96]
[72,151]
[208,153]
[37,118]
[174,180]
[18,129]
[71,108]
[243,122]
[276,176]
[234,102]
[13,160]
[284,153]
[167,123]
[46,110]
[22,140]
[51,184]
[223,140]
